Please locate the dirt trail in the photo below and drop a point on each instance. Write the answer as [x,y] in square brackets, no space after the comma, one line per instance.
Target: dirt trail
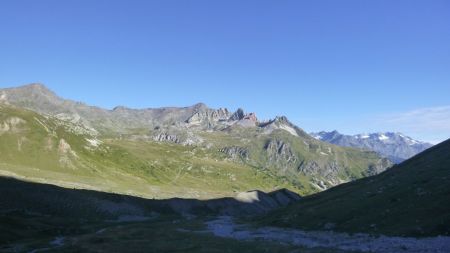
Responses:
[225,227]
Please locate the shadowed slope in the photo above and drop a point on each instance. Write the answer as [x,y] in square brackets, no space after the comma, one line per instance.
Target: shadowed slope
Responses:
[57,201]
[410,199]
[56,207]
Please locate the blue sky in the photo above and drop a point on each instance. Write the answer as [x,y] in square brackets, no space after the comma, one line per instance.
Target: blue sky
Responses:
[355,66]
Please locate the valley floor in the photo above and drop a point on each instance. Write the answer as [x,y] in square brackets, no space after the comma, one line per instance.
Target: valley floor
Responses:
[201,234]
[226,228]
[160,234]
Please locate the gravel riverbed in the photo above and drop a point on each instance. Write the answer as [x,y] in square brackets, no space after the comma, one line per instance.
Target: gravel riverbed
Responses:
[225,227]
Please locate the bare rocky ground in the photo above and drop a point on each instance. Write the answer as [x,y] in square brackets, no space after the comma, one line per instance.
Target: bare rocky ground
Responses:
[225,227]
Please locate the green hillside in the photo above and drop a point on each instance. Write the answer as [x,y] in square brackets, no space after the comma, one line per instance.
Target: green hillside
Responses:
[193,151]
[63,152]
[410,199]
[49,150]
[310,164]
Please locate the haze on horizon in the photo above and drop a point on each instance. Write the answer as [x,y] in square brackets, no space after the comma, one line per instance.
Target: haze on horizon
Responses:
[354,66]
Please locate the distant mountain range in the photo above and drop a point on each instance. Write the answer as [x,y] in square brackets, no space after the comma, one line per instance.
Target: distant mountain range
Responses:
[395,146]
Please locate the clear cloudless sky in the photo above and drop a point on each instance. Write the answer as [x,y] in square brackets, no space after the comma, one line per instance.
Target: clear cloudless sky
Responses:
[325,64]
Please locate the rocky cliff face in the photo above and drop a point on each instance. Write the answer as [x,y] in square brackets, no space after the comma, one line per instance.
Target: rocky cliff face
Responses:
[280,153]
[238,115]
[209,116]
[166,137]
[236,153]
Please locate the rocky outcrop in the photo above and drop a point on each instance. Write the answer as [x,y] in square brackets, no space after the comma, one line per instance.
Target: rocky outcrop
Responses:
[281,123]
[328,170]
[235,152]
[166,137]
[238,115]
[241,115]
[64,147]
[280,153]
[182,138]
[331,171]
[209,116]
[66,154]
[244,120]
[3,97]
[251,117]
[11,124]
[377,168]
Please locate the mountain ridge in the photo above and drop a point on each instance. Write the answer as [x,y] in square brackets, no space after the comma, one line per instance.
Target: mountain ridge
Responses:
[276,146]
[395,146]
[38,97]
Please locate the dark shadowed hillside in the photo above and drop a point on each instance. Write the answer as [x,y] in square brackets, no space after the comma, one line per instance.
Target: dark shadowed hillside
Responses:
[410,199]
[38,217]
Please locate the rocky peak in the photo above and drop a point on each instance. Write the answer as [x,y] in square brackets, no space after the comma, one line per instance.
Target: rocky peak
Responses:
[280,122]
[251,116]
[334,132]
[238,115]
[209,116]
[241,115]
[222,113]
[281,119]
[200,107]
[33,96]
[120,108]
[36,88]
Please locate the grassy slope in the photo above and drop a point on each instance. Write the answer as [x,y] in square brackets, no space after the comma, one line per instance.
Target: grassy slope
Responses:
[326,165]
[410,199]
[352,163]
[32,149]
[161,170]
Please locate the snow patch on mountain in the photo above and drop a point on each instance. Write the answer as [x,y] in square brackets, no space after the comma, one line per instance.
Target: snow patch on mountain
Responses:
[395,146]
[383,137]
